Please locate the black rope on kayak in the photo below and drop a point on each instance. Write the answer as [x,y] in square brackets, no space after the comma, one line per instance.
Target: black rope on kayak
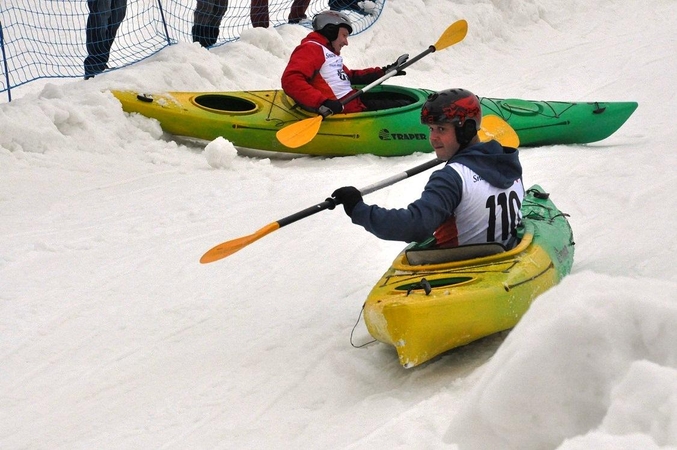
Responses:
[598,108]
[353,331]
[555,114]
[423,284]
[571,232]
[496,108]
[533,215]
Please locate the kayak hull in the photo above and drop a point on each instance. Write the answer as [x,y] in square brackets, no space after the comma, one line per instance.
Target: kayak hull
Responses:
[251,119]
[424,310]
[539,123]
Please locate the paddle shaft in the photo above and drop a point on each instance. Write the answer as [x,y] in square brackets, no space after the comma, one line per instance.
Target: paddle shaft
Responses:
[496,128]
[228,248]
[331,203]
[452,35]
[401,176]
[392,73]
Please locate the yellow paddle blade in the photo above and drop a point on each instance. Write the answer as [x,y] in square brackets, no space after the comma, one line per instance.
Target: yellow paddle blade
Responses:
[493,127]
[228,248]
[299,133]
[452,35]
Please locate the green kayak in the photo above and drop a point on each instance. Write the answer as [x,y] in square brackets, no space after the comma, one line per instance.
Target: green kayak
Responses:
[552,123]
[251,119]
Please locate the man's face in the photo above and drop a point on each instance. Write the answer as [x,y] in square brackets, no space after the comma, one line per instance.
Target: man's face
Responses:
[341,40]
[443,140]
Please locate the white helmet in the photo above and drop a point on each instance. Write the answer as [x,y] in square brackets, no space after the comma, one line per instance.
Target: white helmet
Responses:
[327,23]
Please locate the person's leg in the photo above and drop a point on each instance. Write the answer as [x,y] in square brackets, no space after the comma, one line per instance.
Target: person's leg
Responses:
[97,37]
[259,13]
[203,18]
[298,11]
[219,9]
[118,11]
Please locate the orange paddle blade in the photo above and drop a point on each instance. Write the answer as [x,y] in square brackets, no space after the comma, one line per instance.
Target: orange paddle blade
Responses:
[228,248]
[299,133]
[493,127]
[454,34]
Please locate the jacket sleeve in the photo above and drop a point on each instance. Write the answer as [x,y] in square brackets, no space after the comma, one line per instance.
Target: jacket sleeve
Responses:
[418,221]
[305,61]
[364,76]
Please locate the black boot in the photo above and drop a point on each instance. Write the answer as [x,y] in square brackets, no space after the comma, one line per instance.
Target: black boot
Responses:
[205,35]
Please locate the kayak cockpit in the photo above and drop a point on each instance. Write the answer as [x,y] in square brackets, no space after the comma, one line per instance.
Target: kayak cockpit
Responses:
[417,257]
[224,103]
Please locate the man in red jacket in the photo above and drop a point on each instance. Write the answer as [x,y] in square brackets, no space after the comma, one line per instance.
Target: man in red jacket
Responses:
[316,76]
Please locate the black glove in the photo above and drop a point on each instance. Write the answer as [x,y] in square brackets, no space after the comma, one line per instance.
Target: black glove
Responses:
[334,105]
[348,196]
[401,60]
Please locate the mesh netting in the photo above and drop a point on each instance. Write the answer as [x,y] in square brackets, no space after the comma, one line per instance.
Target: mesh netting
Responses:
[46,38]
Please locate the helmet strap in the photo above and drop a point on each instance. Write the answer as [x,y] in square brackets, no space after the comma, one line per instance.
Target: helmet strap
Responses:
[330,31]
[466,133]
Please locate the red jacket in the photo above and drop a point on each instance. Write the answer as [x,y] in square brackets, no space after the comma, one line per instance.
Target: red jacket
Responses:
[303,78]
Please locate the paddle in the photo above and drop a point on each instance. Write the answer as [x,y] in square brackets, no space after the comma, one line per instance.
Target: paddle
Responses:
[302,132]
[493,127]
[230,247]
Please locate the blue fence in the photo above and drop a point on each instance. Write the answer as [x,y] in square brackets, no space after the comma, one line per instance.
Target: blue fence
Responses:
[46,38]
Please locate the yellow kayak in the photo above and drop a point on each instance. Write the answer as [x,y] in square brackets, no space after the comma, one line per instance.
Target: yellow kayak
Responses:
[433,300]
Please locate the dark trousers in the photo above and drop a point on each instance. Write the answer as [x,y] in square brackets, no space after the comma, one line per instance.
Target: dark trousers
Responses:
[103,22]
[259,12]
[298,10]
[207,20]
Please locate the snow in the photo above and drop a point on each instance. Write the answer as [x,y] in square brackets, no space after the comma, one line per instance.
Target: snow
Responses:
[114,336]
